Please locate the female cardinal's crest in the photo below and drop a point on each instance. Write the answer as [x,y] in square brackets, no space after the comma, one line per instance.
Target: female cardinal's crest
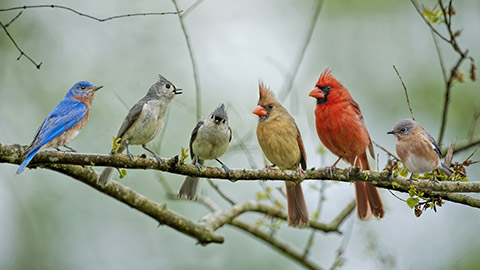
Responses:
[266,95]
[326,78]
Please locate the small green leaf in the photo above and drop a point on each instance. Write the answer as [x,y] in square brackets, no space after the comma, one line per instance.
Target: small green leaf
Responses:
[116,144]
[412,202]
[123,173]
[395,185]
[184,155]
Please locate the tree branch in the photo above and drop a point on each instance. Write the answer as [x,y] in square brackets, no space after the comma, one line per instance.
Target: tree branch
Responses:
[14,154]
[157,211]
[275,243]
[93,17]
[22,53]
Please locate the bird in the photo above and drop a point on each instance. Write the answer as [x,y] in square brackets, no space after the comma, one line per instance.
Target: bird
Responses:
[281,142]
[209,140]
[341,128]
[417,149]
[143,122]
[64,122]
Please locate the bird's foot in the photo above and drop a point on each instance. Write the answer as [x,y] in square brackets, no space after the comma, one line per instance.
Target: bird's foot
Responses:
[70,148]
[269,167]
[434,180]
[197,163]
[227,170]
[411,179]
[300,171]
[158,158]
[350,170]
[330,170]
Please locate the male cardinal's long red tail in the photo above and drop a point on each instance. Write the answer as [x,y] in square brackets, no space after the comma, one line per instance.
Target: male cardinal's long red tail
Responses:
[369,203]
[297,209]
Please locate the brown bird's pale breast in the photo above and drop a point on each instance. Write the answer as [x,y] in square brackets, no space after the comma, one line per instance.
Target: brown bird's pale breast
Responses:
[277,137]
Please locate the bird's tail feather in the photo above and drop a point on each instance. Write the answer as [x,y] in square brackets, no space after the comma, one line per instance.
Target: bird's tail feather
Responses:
[105,177]
[369,203]
[107,173]
[297,208]
[188,189]
[30,154]
[446,170]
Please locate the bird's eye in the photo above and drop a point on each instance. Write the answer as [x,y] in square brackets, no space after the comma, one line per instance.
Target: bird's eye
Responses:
[82,87]
[270,106]
[403,129]
[328,88]
[223,121]
[212,116]
[167,86]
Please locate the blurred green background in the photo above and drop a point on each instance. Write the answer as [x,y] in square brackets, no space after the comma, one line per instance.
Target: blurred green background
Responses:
[49,221]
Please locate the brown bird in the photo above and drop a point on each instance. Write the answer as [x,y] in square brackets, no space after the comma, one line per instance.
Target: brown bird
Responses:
[341,128]
[281,142]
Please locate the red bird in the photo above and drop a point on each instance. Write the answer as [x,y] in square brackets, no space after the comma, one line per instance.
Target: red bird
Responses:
[281,142]
[341,128]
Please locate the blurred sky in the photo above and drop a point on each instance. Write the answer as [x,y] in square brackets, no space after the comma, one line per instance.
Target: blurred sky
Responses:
[48,221]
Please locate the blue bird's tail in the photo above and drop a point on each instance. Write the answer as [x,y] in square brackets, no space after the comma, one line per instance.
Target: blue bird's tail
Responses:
[30,154]
[446,170]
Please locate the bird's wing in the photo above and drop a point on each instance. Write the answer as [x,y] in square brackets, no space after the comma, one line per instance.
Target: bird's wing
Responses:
[131,117]
[64,116]
[357,111]
[303,156]
[193,136]
[433,142]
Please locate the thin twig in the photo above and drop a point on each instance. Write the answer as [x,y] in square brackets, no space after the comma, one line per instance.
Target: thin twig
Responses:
[22,53]
[406,92]
[14,18]
[419,8]
[440,58]
[476,115]
[93,17]
[311,239]
[385,150]
[473,153]
[220,192]
[283,247]
[192,7]
[194,64]
[296,66]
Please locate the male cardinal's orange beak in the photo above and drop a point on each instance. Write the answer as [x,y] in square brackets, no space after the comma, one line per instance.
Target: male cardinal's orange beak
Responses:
[317,93]
[260,111]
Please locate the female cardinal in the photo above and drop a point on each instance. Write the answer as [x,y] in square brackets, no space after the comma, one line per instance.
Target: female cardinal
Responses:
[341,128]
[281,142]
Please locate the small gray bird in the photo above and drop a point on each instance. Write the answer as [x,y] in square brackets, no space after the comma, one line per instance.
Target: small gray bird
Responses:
[417,149]
[144,121]
[209,140]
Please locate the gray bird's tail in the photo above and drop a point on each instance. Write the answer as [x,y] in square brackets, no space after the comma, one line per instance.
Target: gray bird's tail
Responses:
[107,173]
[188,189]
[446,170]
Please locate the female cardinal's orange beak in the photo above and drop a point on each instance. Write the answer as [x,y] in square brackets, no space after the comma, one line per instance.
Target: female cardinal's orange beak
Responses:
[260,111]
[317,93]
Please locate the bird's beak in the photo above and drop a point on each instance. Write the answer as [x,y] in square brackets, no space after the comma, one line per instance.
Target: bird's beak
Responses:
[260,111]
[177,91]
[96,88]
[317,93]
[391,132]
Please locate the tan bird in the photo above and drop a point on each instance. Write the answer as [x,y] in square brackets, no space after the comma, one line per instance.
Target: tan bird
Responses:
[281,142]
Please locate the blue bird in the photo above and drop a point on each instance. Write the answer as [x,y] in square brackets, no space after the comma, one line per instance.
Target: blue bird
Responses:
[64,122]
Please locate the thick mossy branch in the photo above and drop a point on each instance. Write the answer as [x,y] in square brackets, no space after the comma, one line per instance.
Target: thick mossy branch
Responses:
[14,154]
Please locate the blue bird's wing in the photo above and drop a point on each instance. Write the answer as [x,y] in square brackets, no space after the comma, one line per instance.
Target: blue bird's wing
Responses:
[433,142]
[64,116]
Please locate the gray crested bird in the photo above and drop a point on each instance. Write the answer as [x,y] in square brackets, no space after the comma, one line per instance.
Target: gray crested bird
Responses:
[144,121]
[209,140]
[417,149]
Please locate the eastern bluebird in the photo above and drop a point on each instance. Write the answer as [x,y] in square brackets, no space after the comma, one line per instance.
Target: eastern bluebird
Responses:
[209,140]
[64,122]
[418,150]
[144,121]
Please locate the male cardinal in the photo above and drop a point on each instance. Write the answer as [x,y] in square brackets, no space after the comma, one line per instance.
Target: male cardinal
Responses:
[281,142]
[341,128]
